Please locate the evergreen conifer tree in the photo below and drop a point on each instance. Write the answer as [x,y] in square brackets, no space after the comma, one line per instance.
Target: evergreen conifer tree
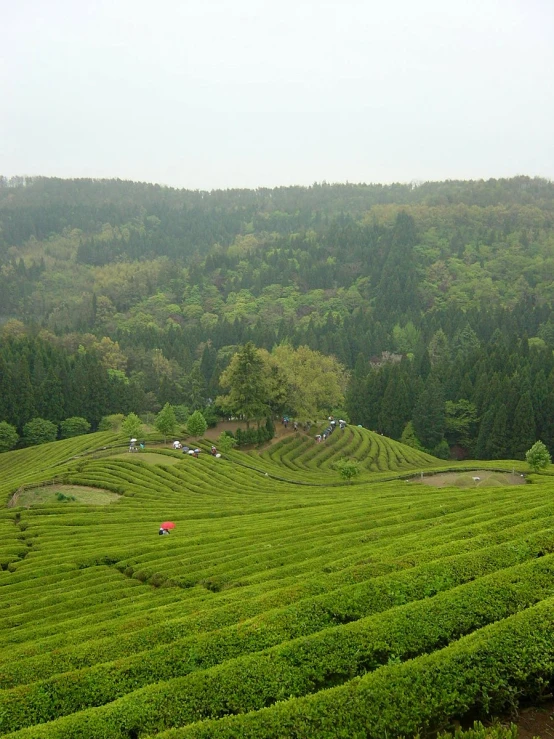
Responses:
[498,445]
[395,407]
[429,414]
[523,427]
[481,450]
[409,437]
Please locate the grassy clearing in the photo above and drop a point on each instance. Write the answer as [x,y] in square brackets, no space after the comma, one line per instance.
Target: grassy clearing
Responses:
[64,494]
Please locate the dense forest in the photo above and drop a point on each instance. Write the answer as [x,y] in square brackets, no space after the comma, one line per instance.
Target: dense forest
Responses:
[437,297]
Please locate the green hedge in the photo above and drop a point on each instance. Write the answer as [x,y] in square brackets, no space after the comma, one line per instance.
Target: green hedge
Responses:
[485,672]
[347,603]
[496,731]
[298,667]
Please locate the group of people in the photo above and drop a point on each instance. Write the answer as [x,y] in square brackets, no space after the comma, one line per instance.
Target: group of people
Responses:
[330,428]
[186,449]
[306,427]
[194,452]
[134,446]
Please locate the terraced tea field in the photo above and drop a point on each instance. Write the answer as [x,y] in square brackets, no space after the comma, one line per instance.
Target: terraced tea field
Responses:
[285,603]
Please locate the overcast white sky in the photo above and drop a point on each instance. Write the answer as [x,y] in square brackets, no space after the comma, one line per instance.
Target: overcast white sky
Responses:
[246,93]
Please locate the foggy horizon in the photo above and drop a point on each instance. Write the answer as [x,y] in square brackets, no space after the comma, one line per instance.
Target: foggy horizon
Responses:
[247,95]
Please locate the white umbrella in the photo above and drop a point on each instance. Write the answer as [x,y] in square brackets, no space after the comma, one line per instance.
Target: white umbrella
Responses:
[132,440]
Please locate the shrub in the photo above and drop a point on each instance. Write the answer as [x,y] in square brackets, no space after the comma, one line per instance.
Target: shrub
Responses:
[39,431]
[225,442]
[196,425]
[348,468]
[442,450]
[166,421]
[409,437]
[74,426]
[8,436]
[132,425]
[210,416]
[538,457]
[111,423]
[181,413]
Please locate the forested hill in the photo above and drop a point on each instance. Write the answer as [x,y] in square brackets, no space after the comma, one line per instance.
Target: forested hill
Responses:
[159,286]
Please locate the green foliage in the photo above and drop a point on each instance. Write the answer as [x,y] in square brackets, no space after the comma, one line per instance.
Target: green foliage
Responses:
[8,436]
[210,416]
[406,338]
[496,731]
[460,421]
[538,457]
[225,442]
[524,428]
[132,426]
[314,383]
[196,424]
[39,431]
[376,610]
[458,287]
[181,413]
[248,392]
[327,592]
[74,427]
[429,414]
[348,469]
[260,435]
[442,450]
[112,422]
[409,437]
[166,421]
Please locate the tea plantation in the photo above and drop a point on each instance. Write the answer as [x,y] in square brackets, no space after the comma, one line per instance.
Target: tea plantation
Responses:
[284,603]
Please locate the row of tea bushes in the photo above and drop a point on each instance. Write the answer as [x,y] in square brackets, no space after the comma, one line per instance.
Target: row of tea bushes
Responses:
[323,657]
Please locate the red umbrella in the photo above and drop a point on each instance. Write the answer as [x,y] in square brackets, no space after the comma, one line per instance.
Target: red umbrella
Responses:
[167,525]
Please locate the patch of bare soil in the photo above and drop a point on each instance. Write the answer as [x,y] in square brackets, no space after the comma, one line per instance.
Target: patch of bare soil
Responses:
[212,434]
[471,479]
[536,722]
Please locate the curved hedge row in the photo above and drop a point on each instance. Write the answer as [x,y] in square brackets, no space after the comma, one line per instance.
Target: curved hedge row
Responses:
[302,664]
[265,589]
[486,671]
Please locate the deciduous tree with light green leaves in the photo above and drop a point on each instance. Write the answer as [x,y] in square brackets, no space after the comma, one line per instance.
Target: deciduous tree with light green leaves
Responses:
[538,457]
[314,383]
[248,391]
[166,421]
[196,425]
[132,425]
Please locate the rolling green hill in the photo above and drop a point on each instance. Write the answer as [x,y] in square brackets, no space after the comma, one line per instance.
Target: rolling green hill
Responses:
[118,297]
[284,603]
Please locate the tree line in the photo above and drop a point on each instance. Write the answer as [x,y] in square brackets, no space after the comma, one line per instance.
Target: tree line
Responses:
[153,290]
